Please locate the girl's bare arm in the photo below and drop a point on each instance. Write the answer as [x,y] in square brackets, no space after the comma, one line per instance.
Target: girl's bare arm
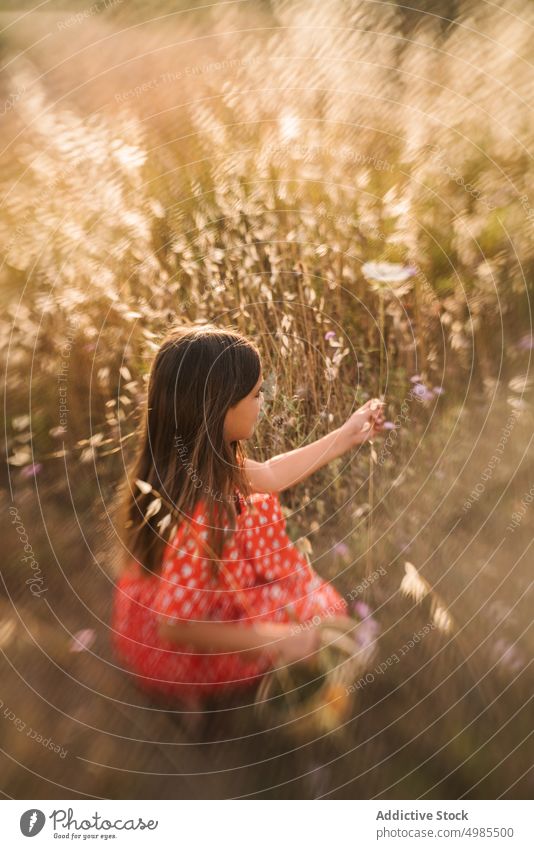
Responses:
[213,636]
[287,469]
[252,640]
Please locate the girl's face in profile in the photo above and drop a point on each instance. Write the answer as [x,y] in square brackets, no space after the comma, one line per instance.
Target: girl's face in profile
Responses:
[241,419]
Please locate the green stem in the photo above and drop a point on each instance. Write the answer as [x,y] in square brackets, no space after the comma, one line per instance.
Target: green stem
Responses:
[370,515]
[382,340]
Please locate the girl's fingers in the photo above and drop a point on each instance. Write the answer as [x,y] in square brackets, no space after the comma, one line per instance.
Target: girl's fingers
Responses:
[373,404]
[343,622]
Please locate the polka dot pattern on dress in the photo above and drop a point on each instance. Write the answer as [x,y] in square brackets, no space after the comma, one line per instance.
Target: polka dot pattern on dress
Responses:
[265,577]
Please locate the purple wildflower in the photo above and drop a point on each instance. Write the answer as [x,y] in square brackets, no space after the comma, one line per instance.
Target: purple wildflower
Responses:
[342,549]
[362,609]
[526,343]
[330,334]
[82,640]
[508,655]
[422,392]
[32,470]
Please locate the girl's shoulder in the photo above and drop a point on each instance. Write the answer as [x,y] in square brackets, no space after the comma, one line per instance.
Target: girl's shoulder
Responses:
[197,522]
[262,500]
[264,507]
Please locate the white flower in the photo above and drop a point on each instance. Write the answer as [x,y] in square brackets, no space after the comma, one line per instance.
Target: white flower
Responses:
[388,272]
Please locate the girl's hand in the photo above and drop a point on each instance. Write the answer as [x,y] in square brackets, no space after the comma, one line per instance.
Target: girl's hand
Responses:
[301,646]
[343,623]
[365,423]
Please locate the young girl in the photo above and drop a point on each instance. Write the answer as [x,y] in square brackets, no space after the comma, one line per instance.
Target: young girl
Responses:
[214,607]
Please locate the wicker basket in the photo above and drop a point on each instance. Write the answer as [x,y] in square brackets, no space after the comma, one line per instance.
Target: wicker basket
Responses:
[307,700]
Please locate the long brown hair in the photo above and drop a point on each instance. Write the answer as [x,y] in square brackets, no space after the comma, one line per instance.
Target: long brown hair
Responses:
[197,374]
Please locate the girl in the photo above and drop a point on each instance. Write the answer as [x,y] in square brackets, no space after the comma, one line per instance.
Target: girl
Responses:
[214,607]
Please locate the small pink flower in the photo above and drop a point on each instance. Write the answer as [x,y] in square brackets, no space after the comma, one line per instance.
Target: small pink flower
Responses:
[330,335]
[362,609]
[438,390]
[31,471]
[526,343]
[367,632]
[389,426]
[416,378]
[422,392]
[508,655]
[83,640]
[342,549]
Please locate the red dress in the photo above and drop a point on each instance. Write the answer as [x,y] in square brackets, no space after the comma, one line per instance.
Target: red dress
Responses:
[270,580]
